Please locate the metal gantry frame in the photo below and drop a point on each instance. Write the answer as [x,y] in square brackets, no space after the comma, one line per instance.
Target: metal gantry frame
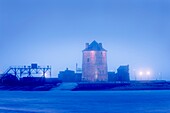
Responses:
[28,71]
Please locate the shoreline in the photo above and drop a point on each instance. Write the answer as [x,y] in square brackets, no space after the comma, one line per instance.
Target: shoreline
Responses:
[95,86]
[46,87]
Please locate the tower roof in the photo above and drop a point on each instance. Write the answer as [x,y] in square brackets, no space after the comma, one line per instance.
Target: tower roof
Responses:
[94,46]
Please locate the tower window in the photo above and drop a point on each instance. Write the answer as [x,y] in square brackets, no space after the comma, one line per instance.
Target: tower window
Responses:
[88,59]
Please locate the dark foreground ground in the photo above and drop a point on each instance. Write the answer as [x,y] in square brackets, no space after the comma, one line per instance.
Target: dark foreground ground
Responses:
[133,85]
[87,86]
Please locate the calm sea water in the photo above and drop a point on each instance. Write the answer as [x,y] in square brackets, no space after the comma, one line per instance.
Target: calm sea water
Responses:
[85,102]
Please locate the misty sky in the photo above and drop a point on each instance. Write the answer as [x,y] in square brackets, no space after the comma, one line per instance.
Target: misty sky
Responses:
[54,32]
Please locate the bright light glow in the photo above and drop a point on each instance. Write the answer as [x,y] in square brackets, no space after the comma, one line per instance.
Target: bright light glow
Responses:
[148,73]
[92,52]
[96,75]
[47,75]
[140,73]
[144,74]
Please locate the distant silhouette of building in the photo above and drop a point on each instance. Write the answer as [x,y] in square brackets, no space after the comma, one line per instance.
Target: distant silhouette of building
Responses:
[94,66]
[69,76]
[112,77]
[122,75]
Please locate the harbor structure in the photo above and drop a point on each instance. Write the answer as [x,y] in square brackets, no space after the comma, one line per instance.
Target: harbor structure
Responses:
[28,71]
[28,75]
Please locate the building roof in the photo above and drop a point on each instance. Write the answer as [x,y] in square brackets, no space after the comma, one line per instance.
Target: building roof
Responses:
[123,67]
[94,46]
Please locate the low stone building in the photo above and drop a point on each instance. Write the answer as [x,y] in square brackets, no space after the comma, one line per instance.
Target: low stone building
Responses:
[69,76]
[122,75]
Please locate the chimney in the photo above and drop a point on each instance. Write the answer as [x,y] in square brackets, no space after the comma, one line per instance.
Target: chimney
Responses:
[87,45]
[100,44]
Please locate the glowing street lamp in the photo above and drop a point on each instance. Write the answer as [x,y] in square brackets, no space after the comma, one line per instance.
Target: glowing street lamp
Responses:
[148,73]
[141,73]
[145,74]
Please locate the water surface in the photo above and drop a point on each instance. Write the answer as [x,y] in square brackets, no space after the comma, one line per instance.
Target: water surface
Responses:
[85,101]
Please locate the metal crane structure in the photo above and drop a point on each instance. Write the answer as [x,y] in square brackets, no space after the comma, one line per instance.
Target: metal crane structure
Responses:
[28,71]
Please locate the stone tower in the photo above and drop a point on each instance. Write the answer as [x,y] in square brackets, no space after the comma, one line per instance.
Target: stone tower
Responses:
[94,66]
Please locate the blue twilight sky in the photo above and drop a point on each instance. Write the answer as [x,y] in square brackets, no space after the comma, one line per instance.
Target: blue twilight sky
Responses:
[54,32]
